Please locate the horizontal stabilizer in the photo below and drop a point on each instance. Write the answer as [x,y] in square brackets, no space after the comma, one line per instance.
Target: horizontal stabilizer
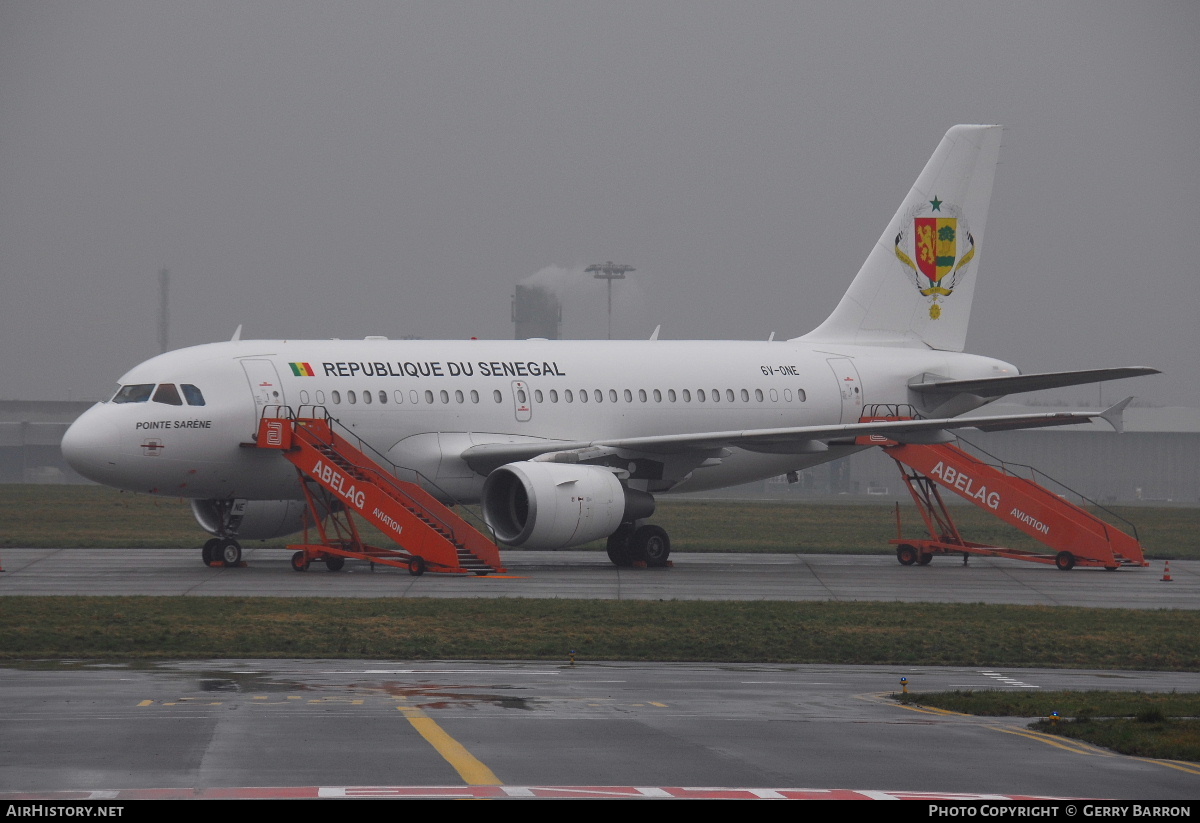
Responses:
[1114,415]
[991,387]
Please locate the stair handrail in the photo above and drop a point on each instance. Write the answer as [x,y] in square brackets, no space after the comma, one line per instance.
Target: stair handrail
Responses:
[320,412]
[1003,465]
[904,411]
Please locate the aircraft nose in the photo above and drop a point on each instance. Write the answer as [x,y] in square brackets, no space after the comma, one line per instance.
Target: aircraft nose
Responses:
[91,445]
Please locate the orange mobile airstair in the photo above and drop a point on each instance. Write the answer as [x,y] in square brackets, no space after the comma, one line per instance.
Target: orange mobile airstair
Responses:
[338,478]
[1078,537]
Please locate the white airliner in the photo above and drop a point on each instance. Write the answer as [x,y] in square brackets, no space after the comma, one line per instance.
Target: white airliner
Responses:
[565,442]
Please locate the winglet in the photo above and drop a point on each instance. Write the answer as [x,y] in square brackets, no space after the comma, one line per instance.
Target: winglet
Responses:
[237,333]
[1113,414]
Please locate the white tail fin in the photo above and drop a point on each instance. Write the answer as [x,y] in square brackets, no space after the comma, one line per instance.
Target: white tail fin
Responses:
[916,287]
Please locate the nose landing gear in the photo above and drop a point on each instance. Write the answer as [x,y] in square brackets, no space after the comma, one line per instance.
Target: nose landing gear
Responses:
[224,550]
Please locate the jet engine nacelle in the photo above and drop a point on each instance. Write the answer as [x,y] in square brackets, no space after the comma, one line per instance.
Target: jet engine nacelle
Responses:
[537,505]
[257,520]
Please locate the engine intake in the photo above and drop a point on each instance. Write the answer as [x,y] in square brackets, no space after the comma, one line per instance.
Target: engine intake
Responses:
[554,506]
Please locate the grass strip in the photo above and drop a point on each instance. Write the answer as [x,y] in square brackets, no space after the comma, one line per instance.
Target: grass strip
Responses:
[1161,725]
[517,629]
[38,516]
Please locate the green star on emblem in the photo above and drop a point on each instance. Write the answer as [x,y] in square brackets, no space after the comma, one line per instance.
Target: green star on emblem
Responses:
[937,204]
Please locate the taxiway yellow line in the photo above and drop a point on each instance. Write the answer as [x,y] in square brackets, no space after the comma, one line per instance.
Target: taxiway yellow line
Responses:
[1065,743]
[1182,765]
[472,771]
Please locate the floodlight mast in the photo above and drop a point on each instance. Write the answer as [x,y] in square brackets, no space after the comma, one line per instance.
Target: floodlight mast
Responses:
[609,271]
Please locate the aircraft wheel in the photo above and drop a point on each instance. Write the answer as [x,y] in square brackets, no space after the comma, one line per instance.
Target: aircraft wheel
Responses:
[208,553]
[1111,568]
[482,574]
[228,552]
[651,544]
[416,566]
[618,546]
[335,563]
[299,562]
[907,555]
[925,560]
[1065,561]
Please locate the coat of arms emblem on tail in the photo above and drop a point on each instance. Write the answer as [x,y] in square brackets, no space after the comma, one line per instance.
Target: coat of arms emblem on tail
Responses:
[935,245]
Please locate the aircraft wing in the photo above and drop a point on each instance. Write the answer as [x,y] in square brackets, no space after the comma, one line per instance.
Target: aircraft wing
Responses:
[790,440]
[1017,383]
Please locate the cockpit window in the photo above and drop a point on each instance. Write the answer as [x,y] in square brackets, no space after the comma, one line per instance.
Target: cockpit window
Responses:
[193,395]
[168,394]
[138,393]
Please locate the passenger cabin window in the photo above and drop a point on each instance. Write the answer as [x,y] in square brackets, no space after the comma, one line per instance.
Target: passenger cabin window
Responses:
[192,394]
[139,393]
[168,394]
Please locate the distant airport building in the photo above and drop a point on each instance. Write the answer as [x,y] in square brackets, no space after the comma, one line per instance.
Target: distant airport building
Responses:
[30,434]
[536,312]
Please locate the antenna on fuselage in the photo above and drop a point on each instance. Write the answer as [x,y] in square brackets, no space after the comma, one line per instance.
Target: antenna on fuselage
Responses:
[237,333]
[657,329]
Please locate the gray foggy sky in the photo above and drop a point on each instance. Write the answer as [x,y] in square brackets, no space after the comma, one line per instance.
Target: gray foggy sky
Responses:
[315,169]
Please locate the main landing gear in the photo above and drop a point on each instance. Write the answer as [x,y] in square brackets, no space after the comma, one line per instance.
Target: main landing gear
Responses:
[221,551]
[639,545]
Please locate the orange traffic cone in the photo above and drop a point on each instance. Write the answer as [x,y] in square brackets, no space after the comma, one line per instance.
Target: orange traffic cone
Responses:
[1167,572]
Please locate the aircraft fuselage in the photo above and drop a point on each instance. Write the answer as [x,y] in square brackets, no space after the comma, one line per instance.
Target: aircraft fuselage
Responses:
[423,403]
